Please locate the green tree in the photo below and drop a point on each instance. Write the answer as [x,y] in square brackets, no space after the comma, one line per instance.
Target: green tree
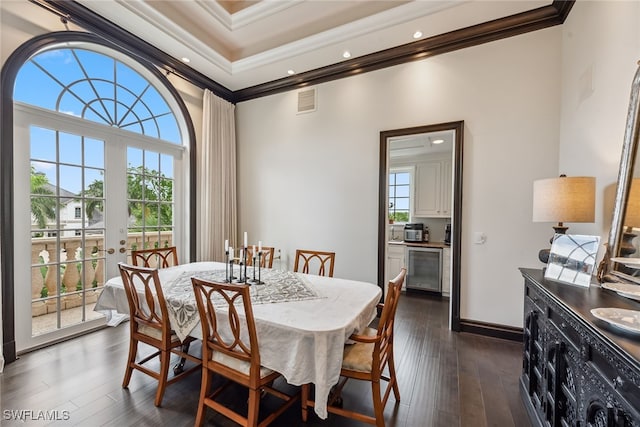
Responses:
[43,206]
[146,189]
[95,194]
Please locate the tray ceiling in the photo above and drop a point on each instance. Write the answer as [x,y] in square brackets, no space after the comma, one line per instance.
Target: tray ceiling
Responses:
[240,44]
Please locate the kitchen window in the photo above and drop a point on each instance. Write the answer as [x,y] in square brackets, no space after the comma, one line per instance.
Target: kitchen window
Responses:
[400,182]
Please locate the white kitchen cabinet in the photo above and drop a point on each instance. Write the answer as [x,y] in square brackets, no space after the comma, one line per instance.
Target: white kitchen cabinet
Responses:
[446,271]
[432,197]
[445,188]
[395,262]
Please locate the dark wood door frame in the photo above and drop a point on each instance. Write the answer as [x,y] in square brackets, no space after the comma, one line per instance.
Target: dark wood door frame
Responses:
[456,217]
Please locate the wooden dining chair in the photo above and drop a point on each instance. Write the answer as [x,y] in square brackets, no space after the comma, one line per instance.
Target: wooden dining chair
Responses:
[149,324]
[367,360]
[307,261]
[156,257]
[266,260]
[230,349]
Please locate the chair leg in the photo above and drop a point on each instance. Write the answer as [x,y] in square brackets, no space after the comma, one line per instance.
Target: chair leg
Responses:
[204,389]
[378,409]
[304,396]
[179,367]
[254,408]
[392,378]
[165,358]
[133,351]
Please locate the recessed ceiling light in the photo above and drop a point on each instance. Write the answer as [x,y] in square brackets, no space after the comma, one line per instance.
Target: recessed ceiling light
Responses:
[291,72]
[438,141]
[417,34]
[185,59]
[346,54]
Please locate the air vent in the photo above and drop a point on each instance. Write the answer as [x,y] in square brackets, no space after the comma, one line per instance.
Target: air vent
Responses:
[307,101]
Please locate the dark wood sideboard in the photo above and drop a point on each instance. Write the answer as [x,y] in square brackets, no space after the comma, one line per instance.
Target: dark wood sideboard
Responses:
[577,370]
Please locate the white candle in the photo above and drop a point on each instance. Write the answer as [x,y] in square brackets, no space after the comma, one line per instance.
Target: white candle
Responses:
[245,239]
[253,252]
[230,254]
[226,245]
[241,255]
[259,245]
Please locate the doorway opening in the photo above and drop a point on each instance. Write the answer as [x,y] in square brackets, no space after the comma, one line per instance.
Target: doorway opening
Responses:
[433,196]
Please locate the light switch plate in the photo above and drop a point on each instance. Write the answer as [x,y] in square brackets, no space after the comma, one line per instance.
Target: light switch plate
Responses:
[479,237]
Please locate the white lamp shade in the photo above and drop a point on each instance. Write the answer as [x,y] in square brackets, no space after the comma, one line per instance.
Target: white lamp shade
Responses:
[564,199]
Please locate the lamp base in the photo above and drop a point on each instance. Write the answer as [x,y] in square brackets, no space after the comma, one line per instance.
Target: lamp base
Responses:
[543,255]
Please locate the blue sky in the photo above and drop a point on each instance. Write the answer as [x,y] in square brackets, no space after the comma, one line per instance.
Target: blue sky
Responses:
[81,83]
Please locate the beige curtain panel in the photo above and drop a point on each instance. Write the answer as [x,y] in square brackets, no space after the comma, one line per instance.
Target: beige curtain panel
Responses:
[217,200]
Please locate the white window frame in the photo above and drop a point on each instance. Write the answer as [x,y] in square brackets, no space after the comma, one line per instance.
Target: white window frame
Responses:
[411,170]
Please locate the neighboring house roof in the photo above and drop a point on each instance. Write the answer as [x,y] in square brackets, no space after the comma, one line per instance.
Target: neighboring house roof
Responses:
[65,195]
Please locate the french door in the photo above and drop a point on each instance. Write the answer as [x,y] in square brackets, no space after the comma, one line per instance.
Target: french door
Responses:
[94,193]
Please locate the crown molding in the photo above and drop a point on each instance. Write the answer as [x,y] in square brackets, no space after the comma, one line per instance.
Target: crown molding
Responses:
[149,14]
[214,10]
[532,20]
[397,15]
[520,23]
[259,11]
[107,30]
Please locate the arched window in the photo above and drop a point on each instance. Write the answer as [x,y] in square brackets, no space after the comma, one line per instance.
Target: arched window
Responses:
[96,87]
[101,141]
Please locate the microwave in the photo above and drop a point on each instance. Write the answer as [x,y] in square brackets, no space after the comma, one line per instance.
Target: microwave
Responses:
[414,232]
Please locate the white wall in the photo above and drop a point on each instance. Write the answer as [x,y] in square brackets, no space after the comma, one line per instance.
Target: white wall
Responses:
[600,50]
[311,180]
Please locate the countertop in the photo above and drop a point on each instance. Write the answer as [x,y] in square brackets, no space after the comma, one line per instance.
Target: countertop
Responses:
[440,245]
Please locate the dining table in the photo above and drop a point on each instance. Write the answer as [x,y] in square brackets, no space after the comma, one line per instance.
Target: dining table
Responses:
[303,321]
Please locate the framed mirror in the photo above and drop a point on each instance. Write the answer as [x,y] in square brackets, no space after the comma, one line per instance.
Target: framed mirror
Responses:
[622,258]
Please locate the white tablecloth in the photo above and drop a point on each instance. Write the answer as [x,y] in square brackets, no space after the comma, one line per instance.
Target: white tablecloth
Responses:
[303,340]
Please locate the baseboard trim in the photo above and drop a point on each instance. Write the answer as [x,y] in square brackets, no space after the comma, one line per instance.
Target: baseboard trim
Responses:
[491,330]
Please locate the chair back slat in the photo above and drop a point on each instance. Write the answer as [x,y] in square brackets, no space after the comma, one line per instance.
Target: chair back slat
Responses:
[149,308]
[384,346]
[314,262]
[155,258]
[227,330]
[266,259]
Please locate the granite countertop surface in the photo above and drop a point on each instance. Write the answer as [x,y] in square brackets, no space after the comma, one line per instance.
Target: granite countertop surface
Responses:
[419,244]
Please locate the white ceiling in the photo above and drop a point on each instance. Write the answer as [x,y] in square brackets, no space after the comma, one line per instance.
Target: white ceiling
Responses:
[421,144]
[244,43]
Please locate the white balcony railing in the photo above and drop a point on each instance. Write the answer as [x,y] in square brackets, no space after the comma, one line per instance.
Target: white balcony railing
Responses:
[80,277]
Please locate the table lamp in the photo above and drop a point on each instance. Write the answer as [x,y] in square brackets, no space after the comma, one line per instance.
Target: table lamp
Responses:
[631,219]
[563,199]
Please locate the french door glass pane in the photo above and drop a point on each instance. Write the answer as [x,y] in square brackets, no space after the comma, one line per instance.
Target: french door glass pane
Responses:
[67,254]
[150,196]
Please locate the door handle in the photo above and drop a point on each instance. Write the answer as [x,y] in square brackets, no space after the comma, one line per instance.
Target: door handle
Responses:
[109,251]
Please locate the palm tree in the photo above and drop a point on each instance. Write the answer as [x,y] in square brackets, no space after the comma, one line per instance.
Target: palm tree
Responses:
[145,187]
[43,207]
[94,194]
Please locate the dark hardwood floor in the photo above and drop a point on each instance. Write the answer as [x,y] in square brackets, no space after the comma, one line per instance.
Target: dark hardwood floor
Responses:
[446,379]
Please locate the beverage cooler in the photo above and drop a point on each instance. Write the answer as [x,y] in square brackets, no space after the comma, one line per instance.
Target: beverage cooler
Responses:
[424,268]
